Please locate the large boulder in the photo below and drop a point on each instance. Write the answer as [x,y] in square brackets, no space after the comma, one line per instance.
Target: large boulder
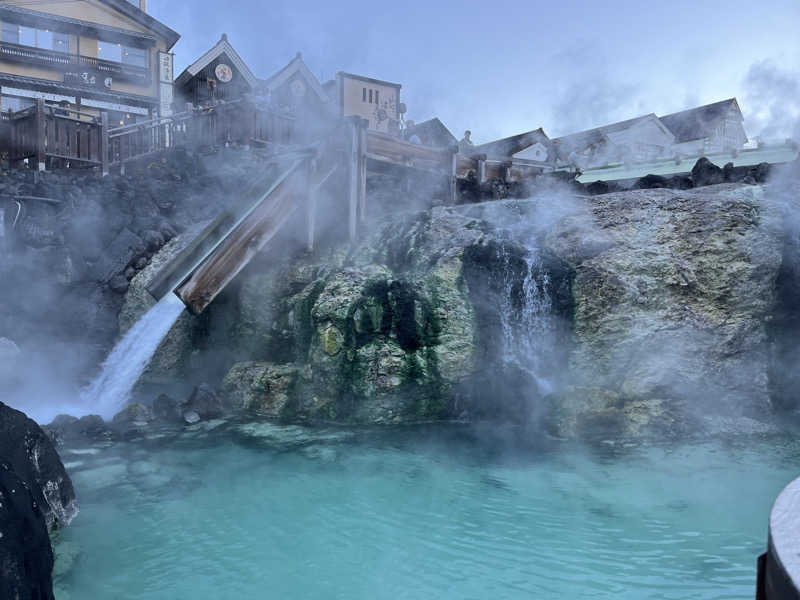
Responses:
[36,496]
[705,172]
[26,557]
[673,293]
[31,454]
[262,388]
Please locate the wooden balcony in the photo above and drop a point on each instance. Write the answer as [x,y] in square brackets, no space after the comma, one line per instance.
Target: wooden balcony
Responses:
[63,61]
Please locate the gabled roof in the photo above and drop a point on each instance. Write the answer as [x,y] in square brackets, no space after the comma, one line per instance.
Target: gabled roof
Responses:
[583,139]
[434,132]
[510,146]
[34,18]
[295,66]
[223,46]
[141,17]
[698,123]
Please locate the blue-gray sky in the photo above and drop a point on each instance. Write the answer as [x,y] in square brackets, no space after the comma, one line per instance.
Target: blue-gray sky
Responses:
[503,67]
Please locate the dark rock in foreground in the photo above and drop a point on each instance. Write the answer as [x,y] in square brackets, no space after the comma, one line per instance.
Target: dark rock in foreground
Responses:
[26,558]
[36,495]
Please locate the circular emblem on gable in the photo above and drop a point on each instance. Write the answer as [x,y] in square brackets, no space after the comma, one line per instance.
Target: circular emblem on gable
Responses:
[223,73]
[298,88]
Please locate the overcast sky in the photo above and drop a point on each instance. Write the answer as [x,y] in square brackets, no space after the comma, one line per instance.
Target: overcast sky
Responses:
[500,67]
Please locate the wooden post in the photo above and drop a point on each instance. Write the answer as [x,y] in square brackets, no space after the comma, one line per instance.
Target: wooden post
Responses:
[452,179]
[311,205]
[507,172]
[41,135]
[104,158]
[352,174]
[481,170]
[362,169]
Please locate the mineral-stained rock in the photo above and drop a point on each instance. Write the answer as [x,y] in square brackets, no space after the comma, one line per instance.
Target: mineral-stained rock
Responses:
[671,312]
[263,388]
[166,409]
[205,402]
[171,359]
[134,416]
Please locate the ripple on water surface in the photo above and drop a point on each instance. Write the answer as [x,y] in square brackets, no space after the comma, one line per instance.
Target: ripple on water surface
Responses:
[420,515]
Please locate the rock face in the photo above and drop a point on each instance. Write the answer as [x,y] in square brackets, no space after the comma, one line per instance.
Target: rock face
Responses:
[36,495]
[389,332]
[673,292]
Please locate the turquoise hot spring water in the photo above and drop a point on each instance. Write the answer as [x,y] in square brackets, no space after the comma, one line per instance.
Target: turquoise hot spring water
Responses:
[225,511]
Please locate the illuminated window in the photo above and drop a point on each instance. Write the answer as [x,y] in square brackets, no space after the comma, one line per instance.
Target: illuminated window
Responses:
[61,42]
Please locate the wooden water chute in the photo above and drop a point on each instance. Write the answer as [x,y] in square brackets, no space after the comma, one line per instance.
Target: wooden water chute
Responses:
[249,235]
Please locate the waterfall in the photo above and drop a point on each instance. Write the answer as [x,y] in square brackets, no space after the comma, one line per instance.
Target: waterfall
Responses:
[111,389]
[526,315]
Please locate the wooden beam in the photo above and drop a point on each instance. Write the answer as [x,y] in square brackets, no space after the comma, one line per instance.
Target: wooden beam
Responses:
[249,235]
[352,174]
[362,170]
[453,179]
[480,172]
[41,135]
[104,158]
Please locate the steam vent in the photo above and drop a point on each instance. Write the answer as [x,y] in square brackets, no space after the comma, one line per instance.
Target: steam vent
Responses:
[312,311]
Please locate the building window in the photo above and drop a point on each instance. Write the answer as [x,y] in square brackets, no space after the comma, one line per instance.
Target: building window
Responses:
[109,51]
[11,33]
[134,56]
[61,42]
[38,38]
[363,94]
[370,96]
[376,97]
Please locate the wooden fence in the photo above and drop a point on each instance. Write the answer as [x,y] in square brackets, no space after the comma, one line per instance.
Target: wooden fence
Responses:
[49,136]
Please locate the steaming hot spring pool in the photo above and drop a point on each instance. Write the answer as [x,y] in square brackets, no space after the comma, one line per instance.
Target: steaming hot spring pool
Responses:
[227,511]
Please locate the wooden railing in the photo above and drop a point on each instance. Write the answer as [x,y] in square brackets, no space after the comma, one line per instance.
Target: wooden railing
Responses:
[233,122]
[45,134]
[54,136]
[64,61]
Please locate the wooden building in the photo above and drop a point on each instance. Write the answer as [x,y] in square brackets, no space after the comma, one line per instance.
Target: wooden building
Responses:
[634,140]
[89,56]
[218,75]
[372,99]
[294,90]
[531,146]
[717,127]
